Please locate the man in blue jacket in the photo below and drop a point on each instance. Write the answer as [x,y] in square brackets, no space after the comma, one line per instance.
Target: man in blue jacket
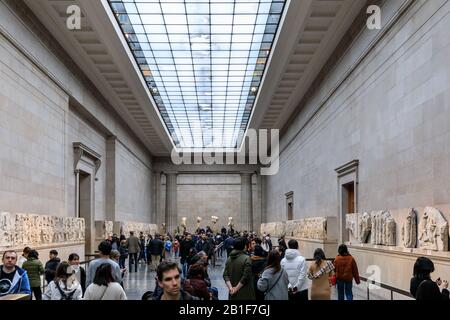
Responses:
[13,280]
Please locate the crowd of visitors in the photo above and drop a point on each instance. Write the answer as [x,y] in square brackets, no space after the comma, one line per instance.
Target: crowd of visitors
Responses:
[254,270]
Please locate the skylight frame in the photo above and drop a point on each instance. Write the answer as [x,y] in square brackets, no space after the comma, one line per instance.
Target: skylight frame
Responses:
[205,97]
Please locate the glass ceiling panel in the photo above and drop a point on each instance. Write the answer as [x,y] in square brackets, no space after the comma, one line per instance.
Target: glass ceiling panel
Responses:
[203,61]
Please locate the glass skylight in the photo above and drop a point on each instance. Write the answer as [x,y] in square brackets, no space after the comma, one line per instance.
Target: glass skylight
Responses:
[203,61]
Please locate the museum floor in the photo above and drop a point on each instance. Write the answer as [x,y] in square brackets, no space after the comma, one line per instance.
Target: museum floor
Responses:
[136,284]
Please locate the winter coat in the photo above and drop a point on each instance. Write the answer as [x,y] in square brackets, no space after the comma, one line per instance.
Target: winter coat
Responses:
[320,276]
[197,287]
[185,246]
[156,247]
[228,243]
[183,296]
[94,264]
[133,244]
[346,268]
[258,265]
[295,266]
[274,285]
[34,270]
[20,283]
[73,292]
[205,246]
[50,269]
[238,268]
[427,290]
[114,291]
[123,250]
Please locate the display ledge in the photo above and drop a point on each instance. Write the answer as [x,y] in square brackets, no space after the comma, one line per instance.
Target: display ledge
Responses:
[410,252]
[45,246]
[326,241]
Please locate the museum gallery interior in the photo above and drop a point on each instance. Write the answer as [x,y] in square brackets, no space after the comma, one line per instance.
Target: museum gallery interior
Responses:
[321,121]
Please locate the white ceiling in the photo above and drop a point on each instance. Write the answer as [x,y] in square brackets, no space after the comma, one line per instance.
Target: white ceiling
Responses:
[310,33]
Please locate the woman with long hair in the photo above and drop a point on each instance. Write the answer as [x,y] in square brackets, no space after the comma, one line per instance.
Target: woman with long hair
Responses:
[346,270]
[274,280]
[103,287]
[65,285]
[422,287]
[259,262]
[320,272]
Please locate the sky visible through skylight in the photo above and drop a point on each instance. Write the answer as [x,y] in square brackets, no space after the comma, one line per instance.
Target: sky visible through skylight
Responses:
[203,61]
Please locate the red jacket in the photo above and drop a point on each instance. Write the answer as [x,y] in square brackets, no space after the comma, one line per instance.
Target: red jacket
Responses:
[346,268]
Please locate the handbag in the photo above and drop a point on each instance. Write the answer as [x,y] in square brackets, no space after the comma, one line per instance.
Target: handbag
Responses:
[332,280]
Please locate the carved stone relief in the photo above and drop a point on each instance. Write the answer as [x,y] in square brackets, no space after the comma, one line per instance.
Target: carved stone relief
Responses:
[383,228]
[103,229]
[137,227]
[409,230]
[351,223]
[18,230]
[433,230]
[365,227]
[310,228]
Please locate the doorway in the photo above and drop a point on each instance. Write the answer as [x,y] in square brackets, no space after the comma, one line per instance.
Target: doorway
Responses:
[290,205]
[347,178]
[85,207]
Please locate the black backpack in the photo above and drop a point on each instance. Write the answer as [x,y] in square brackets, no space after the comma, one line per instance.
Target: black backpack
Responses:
[65,296]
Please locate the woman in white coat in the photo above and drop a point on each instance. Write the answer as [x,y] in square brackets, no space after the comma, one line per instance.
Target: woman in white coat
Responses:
[103,287]
[65,285]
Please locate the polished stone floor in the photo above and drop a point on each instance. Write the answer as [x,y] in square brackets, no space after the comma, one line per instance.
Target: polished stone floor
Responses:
[136,284]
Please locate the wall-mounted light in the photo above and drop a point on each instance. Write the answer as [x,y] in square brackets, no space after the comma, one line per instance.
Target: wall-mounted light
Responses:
[254,89]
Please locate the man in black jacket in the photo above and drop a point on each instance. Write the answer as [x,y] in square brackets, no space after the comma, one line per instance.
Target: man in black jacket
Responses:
[155,247]
[51,265]
[185,246]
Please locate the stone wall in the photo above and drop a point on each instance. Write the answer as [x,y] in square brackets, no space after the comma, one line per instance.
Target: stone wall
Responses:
[203,195]
[133,186]
[44,109]
[390,114]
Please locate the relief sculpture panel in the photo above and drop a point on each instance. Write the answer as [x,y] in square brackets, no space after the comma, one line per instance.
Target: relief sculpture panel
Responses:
[18,230]
[433,230]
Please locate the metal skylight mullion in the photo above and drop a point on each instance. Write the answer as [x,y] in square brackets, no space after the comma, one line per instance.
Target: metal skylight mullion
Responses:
[228,78]
[176,70]
[180,137]
[210,70]
[194,74]
[248,58]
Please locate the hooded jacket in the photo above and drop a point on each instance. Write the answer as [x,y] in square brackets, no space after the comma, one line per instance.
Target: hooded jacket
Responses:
[34,270]
[20,283]
[239,269]
[50,269]
[73,291]
[295,266]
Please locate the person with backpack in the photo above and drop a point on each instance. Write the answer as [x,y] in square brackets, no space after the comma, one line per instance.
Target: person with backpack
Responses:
[274,280]
[167,248]
[64,286]
[123,250]
[35,269]
[104,286]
